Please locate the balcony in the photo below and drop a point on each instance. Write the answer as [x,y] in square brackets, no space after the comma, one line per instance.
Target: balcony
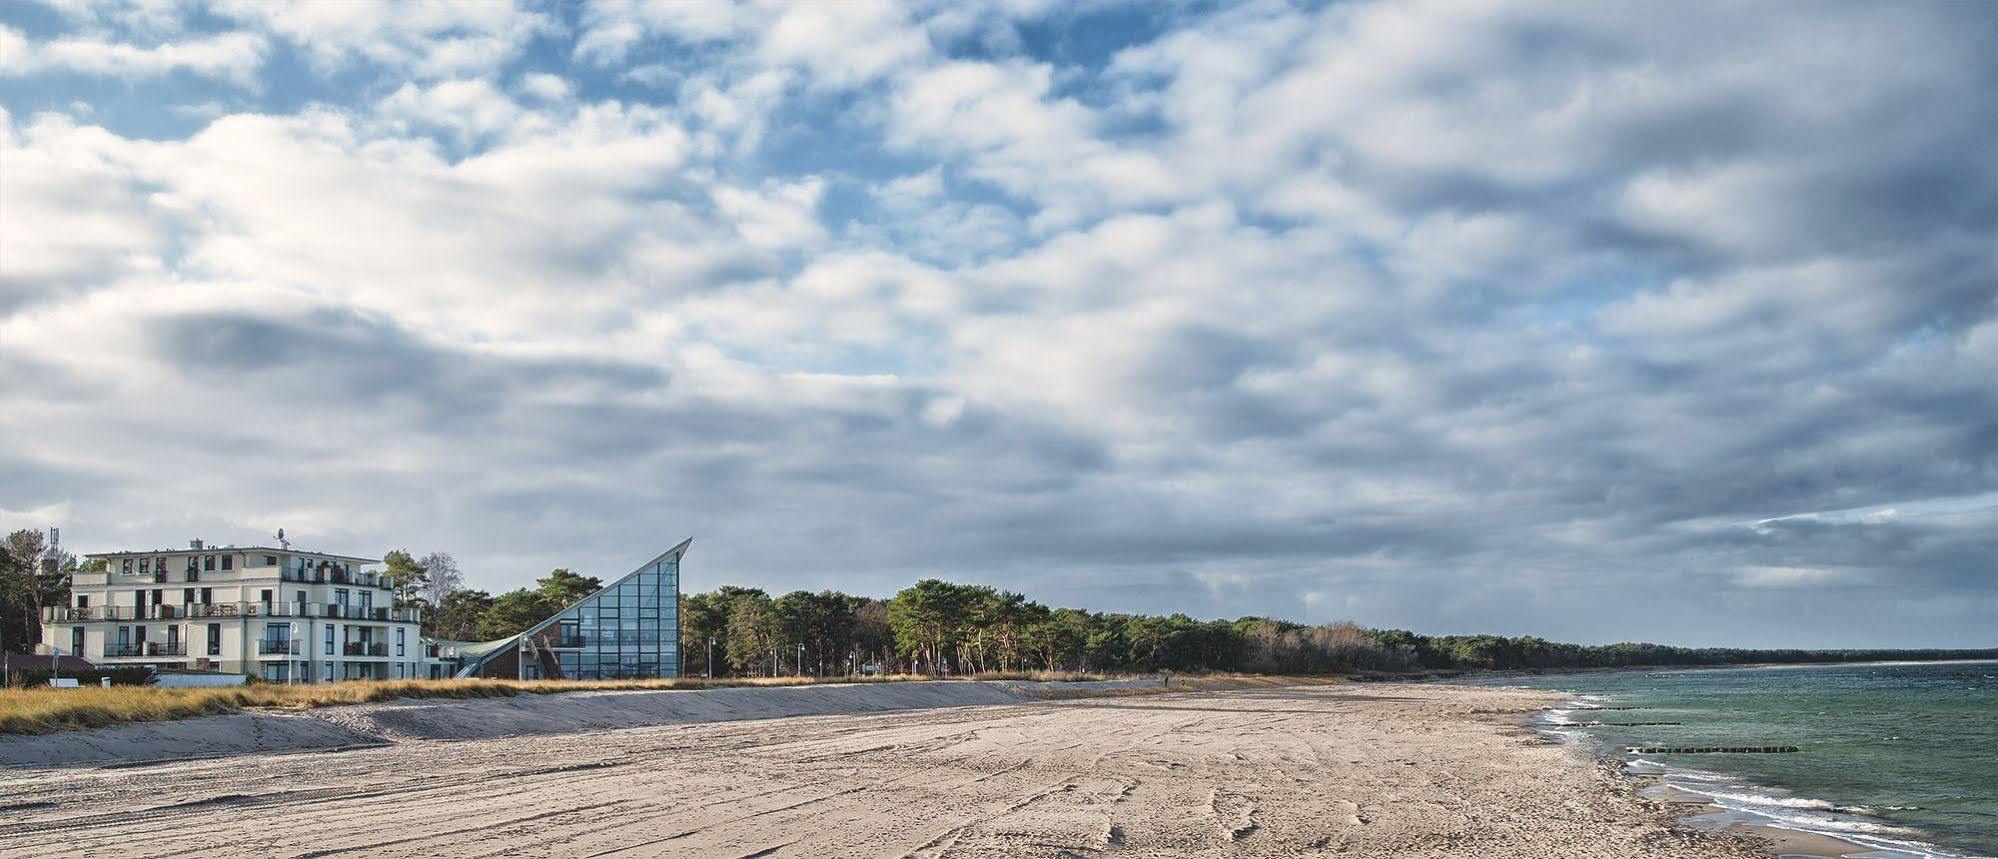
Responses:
[67,614]
[362,648]
[149,648]
[268,647]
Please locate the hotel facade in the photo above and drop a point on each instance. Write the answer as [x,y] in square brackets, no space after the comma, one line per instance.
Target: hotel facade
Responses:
[279,614]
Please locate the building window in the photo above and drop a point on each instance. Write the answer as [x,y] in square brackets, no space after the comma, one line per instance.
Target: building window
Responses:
[208,562]
[82,600]
[207,595]
[228,562]
[277,638]
[125,566]
[399,631]
[398,671]
[329,669]
[265,597]
[329,648]
[270,560]
[76,641]
[215,639]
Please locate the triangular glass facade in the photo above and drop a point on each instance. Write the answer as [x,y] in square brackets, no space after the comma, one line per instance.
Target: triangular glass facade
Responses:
[631,628]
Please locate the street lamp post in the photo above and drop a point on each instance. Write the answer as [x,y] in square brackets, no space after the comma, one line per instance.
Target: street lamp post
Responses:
[801,659]
[711,657]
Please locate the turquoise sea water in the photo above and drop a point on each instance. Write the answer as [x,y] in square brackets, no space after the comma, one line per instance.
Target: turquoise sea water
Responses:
[1897,756]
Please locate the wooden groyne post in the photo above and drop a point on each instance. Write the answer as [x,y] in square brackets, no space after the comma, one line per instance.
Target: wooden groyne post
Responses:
[1709,750]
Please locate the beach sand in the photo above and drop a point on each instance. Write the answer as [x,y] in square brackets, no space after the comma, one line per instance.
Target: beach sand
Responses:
[1358,770]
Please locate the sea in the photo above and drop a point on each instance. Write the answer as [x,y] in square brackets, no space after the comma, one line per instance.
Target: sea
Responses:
[1901,758]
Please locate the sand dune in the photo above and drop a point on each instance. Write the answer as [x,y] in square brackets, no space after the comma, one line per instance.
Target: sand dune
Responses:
[1344,770]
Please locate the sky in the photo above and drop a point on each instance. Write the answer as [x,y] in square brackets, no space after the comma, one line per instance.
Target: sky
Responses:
[1601,322]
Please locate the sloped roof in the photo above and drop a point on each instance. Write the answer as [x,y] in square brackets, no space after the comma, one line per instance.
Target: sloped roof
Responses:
[481,652]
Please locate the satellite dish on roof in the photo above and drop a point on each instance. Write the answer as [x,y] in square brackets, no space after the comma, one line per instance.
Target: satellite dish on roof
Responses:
[281,540]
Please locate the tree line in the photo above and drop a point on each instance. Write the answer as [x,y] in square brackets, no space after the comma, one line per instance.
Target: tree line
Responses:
[936,627]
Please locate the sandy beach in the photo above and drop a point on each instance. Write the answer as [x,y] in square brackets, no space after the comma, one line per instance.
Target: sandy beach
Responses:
[1362,770]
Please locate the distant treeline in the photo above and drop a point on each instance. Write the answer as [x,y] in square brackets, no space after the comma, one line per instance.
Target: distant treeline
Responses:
[943,628]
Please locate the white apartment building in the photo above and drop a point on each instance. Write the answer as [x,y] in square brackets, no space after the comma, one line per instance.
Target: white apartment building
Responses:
[274,613]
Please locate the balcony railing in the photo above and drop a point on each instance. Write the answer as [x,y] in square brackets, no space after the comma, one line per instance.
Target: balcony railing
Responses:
[195,611]
[331,576]
[359,648]
[149,648]
[267,647]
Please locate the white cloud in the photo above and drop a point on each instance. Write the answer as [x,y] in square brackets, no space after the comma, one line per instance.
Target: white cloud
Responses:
[232,57]
[425,38]
[471,111]
[546,87]
[777,216]
[76,214]
[1790,577]
[844,44]
[1016,134]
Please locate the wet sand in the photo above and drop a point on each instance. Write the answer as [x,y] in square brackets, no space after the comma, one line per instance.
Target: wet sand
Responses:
[1361,770]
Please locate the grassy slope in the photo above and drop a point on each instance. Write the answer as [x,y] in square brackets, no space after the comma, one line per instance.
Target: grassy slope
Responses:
[46,711]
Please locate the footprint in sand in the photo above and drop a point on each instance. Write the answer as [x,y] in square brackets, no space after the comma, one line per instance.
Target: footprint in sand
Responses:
[1349,813]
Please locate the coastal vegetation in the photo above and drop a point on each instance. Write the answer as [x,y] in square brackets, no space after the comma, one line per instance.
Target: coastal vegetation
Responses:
[936,627]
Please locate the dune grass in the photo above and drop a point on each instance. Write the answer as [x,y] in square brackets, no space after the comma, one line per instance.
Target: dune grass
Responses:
[47,711]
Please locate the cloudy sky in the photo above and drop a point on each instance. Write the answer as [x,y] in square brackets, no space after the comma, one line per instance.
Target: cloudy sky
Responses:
[1601,322]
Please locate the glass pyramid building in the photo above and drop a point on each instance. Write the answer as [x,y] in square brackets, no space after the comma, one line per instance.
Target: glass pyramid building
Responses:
[630,628]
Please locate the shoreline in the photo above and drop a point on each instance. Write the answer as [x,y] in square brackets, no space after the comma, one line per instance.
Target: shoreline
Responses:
[1688,807]
[1650,782]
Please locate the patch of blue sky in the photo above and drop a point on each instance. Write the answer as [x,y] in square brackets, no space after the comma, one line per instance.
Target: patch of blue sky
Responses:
[1088,37]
